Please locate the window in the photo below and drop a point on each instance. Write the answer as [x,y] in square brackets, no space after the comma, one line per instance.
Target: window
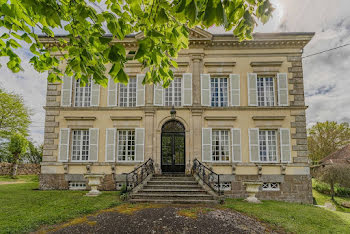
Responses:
[266,91]
[218,91]
[220,145]
[82,94]
[127,93]
[172,94]
[80,150]
[267,145]
[77,185]
[126,145]
[224,186]
[270,187]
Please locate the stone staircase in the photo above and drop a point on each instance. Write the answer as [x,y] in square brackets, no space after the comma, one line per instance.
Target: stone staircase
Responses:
[172,188]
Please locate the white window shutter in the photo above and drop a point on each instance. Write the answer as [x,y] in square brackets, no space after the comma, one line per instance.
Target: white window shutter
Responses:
[95,94]
[66,91]
[187,89]
[282,83]
[235,89]
[140,90]
[236,145]
[254,144]
[206,144]
[93,144]
[112,93]
[110,144]
[158,95]
[63,149]
[139,144]
[285,145]
[252,89]
[205,90]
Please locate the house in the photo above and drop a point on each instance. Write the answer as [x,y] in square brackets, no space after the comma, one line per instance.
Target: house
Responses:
[341,156]
[240,110]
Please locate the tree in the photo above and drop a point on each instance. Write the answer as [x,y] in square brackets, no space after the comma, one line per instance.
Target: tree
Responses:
[327,137]
[17,147]
[14,115]
[334,174]
[86,50]
[34,153]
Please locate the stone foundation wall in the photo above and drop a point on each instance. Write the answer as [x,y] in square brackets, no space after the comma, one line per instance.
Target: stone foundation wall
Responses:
[61,181]
[23,169]
[293,188]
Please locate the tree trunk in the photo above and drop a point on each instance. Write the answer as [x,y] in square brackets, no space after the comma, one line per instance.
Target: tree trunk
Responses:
[14,167]
[332,190]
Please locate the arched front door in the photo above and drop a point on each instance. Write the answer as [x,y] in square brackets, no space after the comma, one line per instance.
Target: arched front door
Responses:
[173,147]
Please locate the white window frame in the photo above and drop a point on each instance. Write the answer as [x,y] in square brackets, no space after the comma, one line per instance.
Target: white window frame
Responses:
[77,185]
[81,145]
[126,146]
[128,93]
[268,145]
[172,87]
[267,186]
[265,91]
[219,92]
[84,89]
[220,145]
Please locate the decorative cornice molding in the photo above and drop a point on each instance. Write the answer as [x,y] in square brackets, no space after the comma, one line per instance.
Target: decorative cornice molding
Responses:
[80,118]
[266,64]
[221,118]
[219,64]
[118,118]
[268,117]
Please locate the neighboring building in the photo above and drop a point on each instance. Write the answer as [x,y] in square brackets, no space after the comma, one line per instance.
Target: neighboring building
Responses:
[239,109]
[341,156]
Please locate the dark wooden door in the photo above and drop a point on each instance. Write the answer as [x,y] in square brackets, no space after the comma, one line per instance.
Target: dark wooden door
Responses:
[173,152]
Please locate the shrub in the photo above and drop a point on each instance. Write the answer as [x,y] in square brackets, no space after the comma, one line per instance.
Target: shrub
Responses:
[326,189]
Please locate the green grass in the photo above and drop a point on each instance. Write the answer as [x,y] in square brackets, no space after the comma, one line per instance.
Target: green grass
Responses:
[321,199]
[292,217]
[22,178]
[23,208]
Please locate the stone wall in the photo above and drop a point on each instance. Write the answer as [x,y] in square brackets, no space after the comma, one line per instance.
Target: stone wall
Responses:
[293,188]
[23,169]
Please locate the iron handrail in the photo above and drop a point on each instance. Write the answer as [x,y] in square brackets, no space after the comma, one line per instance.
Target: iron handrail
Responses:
[139,174]
[207,175]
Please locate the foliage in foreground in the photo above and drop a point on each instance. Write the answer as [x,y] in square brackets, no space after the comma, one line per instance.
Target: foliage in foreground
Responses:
[327,137]
[18,147]
[292,217]
[24,208]
[164,23]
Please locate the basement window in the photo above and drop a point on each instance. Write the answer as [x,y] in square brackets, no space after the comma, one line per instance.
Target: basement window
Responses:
[120,185]
[77,185]
[224,186]
[270,186]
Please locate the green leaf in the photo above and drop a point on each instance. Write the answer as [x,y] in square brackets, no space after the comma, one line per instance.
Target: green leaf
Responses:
[191,11]
[122,77]
[209,14]
[181,6]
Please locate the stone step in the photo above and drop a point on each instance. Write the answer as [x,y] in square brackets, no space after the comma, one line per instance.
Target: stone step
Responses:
[171,196]
[170,201]
[173,182]
[177,190]
[173,175]
[172,186]
[175,178]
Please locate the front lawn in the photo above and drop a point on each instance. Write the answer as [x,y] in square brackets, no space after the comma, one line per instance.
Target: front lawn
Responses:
[24,208]
[295,218]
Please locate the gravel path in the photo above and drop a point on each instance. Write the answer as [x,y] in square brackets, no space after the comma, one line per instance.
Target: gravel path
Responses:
[162,219]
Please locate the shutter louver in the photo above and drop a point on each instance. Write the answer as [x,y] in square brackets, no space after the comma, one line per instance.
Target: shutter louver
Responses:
[93,144]
[285,145]
[187,89]
[282,82]
[95,93]
[140,90]
[205,90]
[112,93]
[206,144]
[158,95]
[66,91]
[63,148]
[236,145]
[252,89]
[254,144]
[110,144]
[139,144]
[235,89]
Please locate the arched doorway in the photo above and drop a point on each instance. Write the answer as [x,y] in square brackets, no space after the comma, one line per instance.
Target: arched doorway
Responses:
[173,147]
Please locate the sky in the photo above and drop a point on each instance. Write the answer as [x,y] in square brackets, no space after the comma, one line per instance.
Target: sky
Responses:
[326,76]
